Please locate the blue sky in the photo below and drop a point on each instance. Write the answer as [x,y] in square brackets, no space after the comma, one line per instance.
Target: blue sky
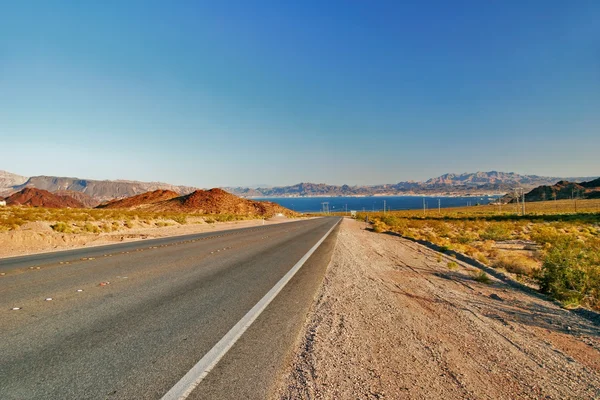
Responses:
[247,92]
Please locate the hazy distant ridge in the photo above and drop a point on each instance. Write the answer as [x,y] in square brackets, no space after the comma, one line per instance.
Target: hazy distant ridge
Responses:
[98,190]
[465,183]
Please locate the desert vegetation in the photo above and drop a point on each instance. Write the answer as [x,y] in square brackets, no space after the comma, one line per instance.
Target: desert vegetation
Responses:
[103,220]
[551,247]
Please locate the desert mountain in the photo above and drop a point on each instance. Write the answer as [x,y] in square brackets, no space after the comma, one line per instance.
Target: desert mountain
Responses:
[565,190]
[465,183]
[86,200]
[213,201]
[33,197]
[8,180]
[98,190]
[141,200]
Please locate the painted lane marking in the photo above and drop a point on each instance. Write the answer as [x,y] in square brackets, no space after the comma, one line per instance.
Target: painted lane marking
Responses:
[194,376]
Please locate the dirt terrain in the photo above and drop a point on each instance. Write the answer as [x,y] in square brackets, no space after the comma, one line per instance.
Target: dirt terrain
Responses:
[397,320]
[38,237]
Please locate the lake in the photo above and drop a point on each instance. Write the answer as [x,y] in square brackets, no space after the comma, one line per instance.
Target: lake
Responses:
[375,203]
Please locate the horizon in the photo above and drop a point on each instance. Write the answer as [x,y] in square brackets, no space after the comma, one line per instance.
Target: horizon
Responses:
[235,93]
[580,178]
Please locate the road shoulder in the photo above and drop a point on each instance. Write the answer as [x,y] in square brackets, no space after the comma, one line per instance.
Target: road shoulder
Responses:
[395,319]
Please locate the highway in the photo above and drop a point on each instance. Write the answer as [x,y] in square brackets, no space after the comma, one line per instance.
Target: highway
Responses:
[129,321]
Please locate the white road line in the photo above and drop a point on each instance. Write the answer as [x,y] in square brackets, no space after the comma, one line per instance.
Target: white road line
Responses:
[194,376]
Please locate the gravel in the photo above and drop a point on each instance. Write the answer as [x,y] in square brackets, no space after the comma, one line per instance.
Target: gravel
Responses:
[392,321]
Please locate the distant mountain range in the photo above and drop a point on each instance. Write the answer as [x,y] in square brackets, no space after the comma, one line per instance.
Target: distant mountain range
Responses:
[92,192]
[98,191]
[449,184]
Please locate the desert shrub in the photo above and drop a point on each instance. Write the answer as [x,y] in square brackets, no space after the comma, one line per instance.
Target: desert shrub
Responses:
[89,227]
[452,265]
[378,226]
[482,258]
[209,220]
[517,264]
[180,219]
[571,272]
[128,223]
[496,231]
[482,277]
[545,234]
[466,237]
[61,227]
[390,220]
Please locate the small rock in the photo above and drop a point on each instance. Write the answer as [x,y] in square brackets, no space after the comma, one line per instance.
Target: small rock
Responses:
[494,296]
[104,283]
[16,308]
[80,290]
[48,298]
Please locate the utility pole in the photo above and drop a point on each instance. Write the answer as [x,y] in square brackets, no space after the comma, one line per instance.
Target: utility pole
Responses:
[523,194]
[439,206]
[424,212]
[384,207]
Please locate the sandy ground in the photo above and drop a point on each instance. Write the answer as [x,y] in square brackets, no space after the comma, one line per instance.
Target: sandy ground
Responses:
[38,237]
[393,321]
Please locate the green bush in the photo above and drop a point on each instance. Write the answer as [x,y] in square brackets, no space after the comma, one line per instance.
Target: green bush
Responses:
[571,272]
[452,265]
[88,227]
[482,277]
[496,231]
[180,219]
[61,227]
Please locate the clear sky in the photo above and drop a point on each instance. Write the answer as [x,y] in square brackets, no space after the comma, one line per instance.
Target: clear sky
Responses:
[222,93]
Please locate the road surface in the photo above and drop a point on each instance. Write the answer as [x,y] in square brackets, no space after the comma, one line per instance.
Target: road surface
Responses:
[128,321]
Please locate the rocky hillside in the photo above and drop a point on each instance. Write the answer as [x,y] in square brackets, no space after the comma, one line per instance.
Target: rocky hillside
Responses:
[33,197]
[8,180]
[86,200]
[141,200]
[213,201]
[98,190]
[565,190]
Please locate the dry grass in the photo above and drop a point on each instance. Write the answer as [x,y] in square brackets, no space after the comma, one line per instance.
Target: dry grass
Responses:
[102,220]
[518,264]
[550,245]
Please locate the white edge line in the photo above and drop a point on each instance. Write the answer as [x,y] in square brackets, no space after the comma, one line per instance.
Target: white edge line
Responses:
[194,376]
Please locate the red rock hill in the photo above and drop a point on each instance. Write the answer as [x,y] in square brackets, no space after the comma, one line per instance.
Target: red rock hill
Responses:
[141,200]
[213,201]
[33,197]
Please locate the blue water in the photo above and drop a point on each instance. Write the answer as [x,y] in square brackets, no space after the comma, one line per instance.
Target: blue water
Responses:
[313,204]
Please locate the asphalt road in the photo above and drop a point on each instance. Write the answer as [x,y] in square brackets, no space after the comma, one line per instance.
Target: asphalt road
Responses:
[127,321]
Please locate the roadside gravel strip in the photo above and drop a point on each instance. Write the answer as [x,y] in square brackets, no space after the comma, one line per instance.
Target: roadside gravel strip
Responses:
[393,321]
